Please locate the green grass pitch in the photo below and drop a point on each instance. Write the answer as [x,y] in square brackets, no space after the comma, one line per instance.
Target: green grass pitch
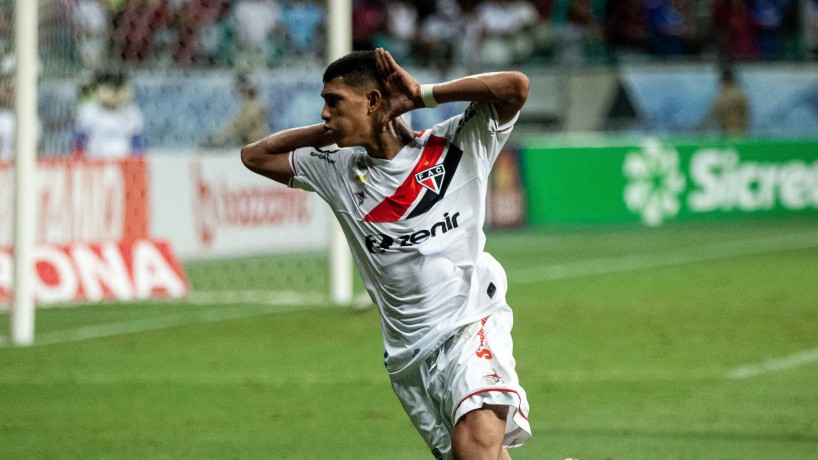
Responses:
[684,342]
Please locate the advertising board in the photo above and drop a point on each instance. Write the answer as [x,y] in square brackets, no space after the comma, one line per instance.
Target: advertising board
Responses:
[653,181]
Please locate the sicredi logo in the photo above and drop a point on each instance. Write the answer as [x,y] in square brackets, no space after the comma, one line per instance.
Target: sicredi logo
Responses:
[720,181]
[655,182]
[724,182]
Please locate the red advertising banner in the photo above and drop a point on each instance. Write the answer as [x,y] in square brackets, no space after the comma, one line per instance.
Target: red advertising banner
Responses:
[83,200]
[133,270]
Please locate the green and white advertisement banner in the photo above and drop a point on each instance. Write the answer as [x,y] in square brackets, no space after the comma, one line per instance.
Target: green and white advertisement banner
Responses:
[655,181]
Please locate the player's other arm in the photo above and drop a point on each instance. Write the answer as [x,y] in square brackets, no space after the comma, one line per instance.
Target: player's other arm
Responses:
[270,155]
[507,91]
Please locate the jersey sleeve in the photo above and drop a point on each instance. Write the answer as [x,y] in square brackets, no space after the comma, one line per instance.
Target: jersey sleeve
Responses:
[477,131]
[319,170]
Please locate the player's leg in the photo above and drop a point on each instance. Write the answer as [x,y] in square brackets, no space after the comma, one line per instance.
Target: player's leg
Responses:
[479,434]
[412,391]
[488,405]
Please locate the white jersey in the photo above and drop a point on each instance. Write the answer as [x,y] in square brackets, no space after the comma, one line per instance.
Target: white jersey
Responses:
[415,227]
[110,133]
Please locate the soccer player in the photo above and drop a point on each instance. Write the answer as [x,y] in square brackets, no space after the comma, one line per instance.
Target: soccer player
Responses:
[412,206]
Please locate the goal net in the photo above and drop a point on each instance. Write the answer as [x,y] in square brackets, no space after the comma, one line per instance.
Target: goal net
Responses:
[138,191]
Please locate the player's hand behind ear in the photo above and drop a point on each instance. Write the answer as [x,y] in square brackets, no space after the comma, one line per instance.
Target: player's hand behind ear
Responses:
[402,91]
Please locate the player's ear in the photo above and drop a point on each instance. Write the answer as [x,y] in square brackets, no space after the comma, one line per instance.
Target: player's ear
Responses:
[374,100]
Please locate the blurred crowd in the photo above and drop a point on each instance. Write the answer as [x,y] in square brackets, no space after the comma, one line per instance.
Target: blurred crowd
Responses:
[252,33]
[98,44]
[192,33]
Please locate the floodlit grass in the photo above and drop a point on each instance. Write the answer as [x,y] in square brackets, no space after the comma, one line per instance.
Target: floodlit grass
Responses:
[685,342]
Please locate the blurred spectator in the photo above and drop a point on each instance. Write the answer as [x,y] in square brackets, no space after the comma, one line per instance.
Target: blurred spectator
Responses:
[199,33]
[6,108]
[544,8]
[734,30]
[578,30]
[624,25]
[668,27]
[304,24]
[543,34]
[701,41]
[507,31]
[792,30]
[768,19]
[810,15]
[6,31]
[110,125]
[440,34]
[427,7]
[255,25]
[402,29]
[249,125]
[90,21]
[469,37]
[7,115]
[369,19]
[134,27]
[730,111]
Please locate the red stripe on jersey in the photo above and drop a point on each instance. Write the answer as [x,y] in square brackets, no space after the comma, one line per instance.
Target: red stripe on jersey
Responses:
[394,207]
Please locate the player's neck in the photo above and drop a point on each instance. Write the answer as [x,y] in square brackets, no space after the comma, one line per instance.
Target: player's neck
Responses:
[387,144]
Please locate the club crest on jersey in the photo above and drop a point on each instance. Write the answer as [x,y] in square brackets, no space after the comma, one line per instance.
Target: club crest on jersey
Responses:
[431,178]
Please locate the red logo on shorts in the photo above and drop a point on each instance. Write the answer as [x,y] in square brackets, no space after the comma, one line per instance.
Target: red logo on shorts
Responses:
[482,351]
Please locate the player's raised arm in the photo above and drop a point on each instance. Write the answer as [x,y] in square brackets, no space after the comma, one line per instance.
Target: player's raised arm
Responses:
[507,91]
[269,156]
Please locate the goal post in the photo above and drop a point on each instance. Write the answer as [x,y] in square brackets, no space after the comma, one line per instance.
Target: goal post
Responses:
[339,43]
[25,108]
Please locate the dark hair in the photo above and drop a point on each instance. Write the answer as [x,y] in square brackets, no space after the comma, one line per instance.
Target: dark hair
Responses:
[113,77]
[727,75]
[358,68]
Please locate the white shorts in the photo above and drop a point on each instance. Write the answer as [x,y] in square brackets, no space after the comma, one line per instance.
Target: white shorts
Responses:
[473,368]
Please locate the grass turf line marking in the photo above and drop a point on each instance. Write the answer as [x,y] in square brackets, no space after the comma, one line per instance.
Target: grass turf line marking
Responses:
[158,323]
[609,265]
[271,302]
[774,365]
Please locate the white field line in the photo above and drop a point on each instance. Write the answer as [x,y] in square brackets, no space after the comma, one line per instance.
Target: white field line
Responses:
[305,378]
[260,297]
[240,305]
[609,265]
[799,359]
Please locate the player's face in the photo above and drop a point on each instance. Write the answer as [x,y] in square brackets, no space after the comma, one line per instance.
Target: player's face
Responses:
[346,113]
